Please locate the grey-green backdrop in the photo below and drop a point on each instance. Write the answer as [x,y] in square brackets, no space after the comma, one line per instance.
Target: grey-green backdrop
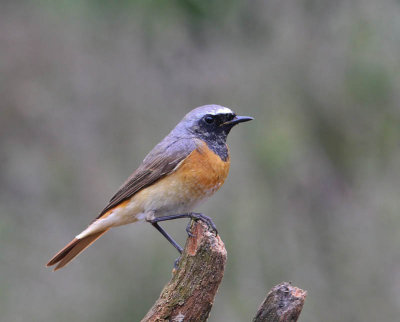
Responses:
[88,87]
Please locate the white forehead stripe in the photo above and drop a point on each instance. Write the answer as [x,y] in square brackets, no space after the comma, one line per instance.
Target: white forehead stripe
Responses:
[222,110]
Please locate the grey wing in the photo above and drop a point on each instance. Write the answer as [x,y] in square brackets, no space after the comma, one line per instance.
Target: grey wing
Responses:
[157,164]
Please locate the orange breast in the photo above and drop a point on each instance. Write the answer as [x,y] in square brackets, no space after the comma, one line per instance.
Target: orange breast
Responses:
[202,172]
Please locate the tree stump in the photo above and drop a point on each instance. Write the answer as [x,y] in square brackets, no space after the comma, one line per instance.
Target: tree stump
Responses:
[190,294]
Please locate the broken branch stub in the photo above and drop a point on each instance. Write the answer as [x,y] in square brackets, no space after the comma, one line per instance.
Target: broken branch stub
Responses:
[190,294]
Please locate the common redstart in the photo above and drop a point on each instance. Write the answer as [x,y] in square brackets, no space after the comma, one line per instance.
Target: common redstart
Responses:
[185,168]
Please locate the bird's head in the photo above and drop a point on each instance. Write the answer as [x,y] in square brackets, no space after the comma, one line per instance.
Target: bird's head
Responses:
[211,122]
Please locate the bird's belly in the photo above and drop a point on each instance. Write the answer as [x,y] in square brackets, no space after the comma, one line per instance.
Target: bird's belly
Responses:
[200,175]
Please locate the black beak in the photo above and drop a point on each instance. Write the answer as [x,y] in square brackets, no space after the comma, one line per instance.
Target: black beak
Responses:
[238,119]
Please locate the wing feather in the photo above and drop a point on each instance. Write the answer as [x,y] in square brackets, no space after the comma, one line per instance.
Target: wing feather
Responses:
[161,161]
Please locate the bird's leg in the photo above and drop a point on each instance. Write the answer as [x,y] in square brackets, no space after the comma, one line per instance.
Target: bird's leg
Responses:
[168,237]
[191,215]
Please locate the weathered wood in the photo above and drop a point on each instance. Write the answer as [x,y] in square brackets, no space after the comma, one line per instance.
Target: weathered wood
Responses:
[190,294]
[282,304]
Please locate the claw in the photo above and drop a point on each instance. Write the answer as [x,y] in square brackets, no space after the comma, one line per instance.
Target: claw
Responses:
[205,219]
[188,227]
[176,262]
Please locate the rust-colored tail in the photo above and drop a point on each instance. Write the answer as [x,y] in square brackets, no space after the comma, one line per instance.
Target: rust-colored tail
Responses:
[73,249]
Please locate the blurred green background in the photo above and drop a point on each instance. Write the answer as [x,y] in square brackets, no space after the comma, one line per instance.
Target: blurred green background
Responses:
[89,87]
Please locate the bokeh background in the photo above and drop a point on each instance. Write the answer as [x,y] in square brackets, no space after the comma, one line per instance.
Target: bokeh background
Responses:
[87,88]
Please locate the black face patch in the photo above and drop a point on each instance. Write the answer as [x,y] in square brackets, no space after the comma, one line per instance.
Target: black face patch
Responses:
[211,130]
[210,121]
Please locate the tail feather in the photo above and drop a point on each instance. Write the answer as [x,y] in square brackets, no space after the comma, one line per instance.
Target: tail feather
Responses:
[73,249]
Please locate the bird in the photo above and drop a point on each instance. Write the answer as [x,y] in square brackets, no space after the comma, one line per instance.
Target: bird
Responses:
[188,166]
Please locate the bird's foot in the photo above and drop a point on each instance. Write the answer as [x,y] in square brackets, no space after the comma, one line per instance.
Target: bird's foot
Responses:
[188,228]
[176,262]
[207,220]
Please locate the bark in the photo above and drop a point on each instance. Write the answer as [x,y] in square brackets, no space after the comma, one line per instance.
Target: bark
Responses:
[282,304]
[189,295]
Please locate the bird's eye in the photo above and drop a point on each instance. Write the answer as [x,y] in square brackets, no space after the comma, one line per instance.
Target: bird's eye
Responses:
[209,119]
[230,117]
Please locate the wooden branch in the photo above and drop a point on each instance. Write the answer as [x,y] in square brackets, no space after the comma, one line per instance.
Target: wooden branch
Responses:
[190,294]
[282,304]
